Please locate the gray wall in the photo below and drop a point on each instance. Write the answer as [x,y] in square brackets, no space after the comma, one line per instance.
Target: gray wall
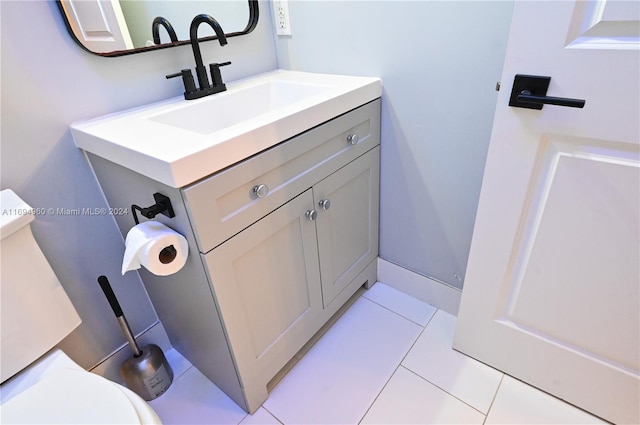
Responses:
[439,62]
[47,82]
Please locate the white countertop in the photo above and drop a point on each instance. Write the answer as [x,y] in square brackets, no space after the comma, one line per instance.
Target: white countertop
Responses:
[178,142]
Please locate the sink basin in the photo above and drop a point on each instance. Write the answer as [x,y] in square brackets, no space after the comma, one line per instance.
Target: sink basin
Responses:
[177,142]
[233,107]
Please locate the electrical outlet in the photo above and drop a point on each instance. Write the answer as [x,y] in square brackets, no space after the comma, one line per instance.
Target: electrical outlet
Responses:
[281,12]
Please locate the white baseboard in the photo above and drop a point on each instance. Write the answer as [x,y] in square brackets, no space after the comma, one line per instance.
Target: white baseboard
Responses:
[425,289]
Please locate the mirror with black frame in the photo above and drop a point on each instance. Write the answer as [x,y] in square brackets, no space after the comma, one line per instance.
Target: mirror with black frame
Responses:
[122,27]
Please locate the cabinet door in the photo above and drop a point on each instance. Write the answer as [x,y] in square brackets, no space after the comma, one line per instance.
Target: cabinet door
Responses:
[348,229]
[267,285]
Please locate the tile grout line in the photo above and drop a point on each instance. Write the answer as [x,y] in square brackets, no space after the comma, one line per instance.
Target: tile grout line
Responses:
[175,378]
[394,370]
[400,365]
[273,415]
[244,417]
[378,395]
[403,357]
[398,314]
[442,389]
[421,332]
[447,392]
[493,399]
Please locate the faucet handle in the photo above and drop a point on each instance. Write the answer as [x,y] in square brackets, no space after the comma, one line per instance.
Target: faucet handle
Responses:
[187,79]
[216,77]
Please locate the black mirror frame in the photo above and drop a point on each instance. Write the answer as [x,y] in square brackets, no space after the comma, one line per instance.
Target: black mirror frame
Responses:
[251,25]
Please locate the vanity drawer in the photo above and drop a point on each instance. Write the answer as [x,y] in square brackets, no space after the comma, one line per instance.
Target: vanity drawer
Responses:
[229,201]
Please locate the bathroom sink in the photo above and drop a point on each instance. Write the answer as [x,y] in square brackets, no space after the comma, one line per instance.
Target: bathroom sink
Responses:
[177,142]
[237,106]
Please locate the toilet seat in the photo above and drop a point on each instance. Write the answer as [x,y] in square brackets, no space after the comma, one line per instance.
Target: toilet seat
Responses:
[73,396]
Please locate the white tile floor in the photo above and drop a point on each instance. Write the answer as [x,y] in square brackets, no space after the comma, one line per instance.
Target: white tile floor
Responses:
[387,360]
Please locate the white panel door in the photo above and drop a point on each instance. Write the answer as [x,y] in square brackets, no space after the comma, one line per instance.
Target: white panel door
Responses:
[99,25]
[552,289]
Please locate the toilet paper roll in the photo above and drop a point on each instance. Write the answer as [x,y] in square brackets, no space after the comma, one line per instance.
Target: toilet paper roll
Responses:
[155,246]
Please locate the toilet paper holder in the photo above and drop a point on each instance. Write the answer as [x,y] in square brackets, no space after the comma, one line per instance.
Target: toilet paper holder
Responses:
[162,206]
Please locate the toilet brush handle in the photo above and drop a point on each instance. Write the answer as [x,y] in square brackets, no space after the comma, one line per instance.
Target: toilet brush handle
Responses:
[117,310]
[111,297]
[124,325]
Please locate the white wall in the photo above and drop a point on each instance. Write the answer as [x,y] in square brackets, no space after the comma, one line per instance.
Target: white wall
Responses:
[47,82]
[439,62]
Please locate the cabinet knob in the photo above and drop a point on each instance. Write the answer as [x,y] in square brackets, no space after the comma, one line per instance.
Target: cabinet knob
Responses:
[311,215]
[260,190]
[325,204]
[352,138]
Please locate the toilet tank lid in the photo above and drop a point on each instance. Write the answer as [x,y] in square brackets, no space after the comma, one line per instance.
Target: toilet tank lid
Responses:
[14,213]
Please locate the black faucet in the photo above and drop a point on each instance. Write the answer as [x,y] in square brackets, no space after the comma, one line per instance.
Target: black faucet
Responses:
[155,30]
[205,88]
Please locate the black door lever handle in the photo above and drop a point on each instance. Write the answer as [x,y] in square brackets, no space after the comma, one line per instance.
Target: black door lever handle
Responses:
[526,96]
[530,91]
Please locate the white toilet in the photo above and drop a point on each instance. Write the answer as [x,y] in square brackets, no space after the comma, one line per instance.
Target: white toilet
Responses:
[40,386]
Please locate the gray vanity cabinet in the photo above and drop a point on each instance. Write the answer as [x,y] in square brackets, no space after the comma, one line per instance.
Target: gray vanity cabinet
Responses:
[273,280]
[284,234]
[277,244]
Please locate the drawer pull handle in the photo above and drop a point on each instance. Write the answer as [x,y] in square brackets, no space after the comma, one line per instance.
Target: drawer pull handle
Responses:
[260,190]
[352,138]
[311,215]
[325,204]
